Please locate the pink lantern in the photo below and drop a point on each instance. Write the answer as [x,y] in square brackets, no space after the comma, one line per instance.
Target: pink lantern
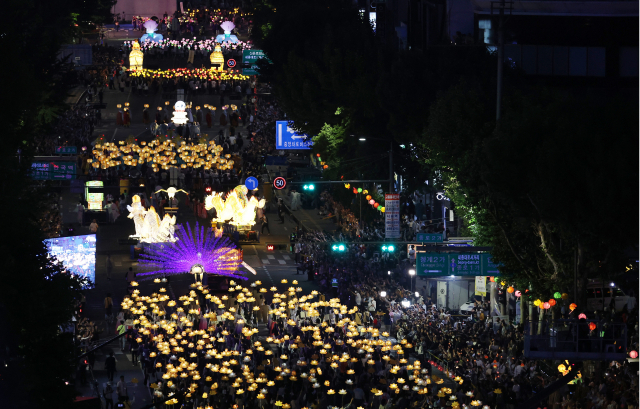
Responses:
[518,293]
[582,316]
[633,354]
[371,202]
[547,306]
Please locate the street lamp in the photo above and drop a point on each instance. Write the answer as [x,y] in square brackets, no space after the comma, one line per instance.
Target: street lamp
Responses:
[363,139]
[383,294]
[388,272]
[412,273]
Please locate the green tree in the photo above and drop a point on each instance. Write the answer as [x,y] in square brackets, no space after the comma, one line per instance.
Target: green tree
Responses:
[535,186]
[37,297]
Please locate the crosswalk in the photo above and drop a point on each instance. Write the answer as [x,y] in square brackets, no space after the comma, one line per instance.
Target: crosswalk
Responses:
[278,258]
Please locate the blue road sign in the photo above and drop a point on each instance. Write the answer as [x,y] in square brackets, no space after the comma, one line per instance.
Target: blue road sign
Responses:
[251,183]
[287,138]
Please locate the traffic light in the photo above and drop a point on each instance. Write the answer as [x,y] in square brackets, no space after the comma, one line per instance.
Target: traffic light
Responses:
[310,187]
[388,248]
[339,247]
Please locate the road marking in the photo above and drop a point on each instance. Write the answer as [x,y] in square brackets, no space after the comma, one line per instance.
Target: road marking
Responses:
[264,261]
[271,257]
[282,262]
[286,257]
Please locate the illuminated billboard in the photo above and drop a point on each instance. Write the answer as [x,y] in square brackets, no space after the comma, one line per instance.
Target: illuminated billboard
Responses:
[77,254]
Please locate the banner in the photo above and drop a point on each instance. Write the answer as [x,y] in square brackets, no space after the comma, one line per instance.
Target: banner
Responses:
[392,216]
[481,285]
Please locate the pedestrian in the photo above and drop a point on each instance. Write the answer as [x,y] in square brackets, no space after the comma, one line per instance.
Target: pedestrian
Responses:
[108,307]
[93,227]
[281,212]
[134,352]
[121,330]
[131,275]
[110,367]
[123,394]
[265,223]
[109,266]
[80,210]
[108,394]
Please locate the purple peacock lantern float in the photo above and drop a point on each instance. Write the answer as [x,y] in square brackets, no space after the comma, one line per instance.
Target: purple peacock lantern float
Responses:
[197,252]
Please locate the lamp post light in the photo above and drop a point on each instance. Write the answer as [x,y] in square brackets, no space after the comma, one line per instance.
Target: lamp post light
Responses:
[412,273]
[383,294]
[363,139]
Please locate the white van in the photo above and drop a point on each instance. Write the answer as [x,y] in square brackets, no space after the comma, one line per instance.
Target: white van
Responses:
[599,296]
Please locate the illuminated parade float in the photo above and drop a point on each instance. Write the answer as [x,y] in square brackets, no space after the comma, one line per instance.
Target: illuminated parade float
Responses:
[199,252]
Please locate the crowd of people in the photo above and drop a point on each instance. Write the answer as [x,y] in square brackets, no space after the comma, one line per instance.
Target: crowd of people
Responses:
[487,353]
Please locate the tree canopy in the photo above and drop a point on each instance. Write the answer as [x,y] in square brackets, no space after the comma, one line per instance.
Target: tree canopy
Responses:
[38,297]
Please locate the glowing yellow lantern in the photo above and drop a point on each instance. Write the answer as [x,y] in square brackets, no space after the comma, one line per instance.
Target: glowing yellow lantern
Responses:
[217,57]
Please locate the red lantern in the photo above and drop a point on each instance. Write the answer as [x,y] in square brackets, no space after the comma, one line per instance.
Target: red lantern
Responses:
[552,302]
[375,205]
[355,191]
[592,326]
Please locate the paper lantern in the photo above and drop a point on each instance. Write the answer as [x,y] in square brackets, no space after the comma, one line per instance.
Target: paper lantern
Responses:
[552,302]
[537,303]
[582,316]
[359,190]
[565,296]
[633,354]
[371,202]
[573,306]
[347,185]
[518,293]
[355,191]
[368,197]
[547,306]
[592,326]
[382,209]
[510,290]
[562,368]
[375,205]
[557,295]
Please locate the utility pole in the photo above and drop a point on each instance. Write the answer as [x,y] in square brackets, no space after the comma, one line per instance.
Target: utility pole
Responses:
[500,60]
[391,190]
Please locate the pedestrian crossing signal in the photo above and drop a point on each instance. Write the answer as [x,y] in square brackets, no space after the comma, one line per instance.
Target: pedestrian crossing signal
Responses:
[310,188]
[338,247]
[390,248]
[270,247]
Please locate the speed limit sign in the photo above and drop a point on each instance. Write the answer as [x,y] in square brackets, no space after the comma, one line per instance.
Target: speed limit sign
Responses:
[279,183]
[231,63]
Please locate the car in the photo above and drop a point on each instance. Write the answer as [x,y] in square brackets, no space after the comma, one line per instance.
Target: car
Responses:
[467,308]
[599,297]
